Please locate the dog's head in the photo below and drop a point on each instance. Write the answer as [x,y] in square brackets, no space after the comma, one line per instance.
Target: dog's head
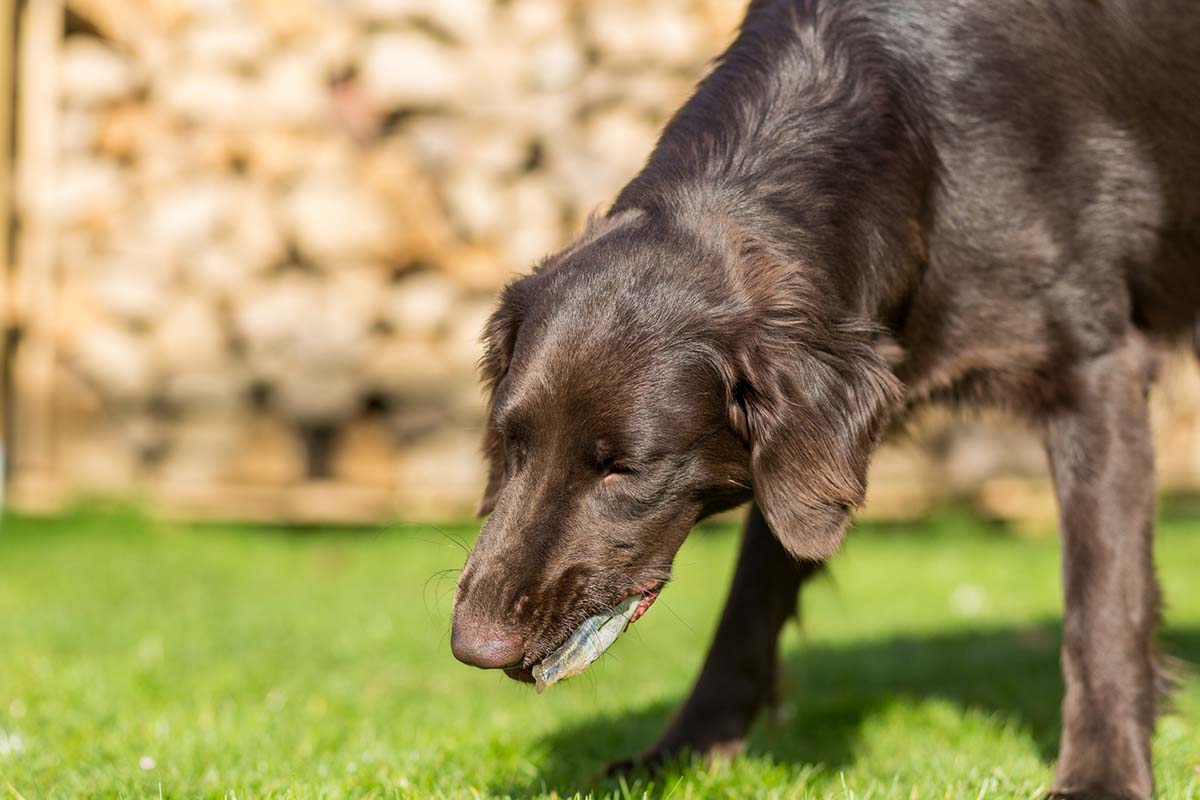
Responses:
[639,380]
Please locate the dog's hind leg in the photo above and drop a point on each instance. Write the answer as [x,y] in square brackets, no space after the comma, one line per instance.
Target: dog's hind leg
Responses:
[1103,465]
[739,674]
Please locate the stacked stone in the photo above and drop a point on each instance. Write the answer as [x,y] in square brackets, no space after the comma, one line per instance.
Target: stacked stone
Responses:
[280,224]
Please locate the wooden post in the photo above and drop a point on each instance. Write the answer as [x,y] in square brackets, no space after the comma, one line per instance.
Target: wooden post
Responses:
[8,329]
[40,35]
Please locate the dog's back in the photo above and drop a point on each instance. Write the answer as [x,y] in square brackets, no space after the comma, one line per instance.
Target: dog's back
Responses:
[1069,133]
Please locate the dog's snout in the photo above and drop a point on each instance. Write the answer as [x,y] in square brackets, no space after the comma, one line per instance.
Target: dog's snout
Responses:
[485,646]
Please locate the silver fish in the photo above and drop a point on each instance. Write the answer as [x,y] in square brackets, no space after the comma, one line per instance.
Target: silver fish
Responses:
[587,643]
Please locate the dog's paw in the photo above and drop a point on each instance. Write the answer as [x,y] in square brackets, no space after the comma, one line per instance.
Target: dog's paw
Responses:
[667,752]
[1094,794]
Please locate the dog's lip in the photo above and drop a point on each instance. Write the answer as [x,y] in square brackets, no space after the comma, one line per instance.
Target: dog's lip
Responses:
[522,674]
[649,595]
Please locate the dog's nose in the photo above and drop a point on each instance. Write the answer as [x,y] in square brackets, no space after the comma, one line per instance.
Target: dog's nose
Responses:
[484,646]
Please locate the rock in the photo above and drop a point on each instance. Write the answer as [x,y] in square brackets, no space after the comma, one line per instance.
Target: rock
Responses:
[465,20]
[365,454]
[358,289]
[268,317]
[125,131]
[495,151]
[404,368]
[215,269]
[130,293]
[436,141]
[201,449]
[293,90]
[531,20]
[386,10]
[620,137]
[332,218]
[463,345]
[226,42]
[132,282]
[672,36]
[476,267]
[533,227]
[632,35]
[269,452]
[204,10]
[78,129]
[335,47]
[189,336]
[114,360]
[308,345]
[256,237]
[318,397]
[556,64]
[1028,502]
[209,96]
[187,216]
[497,93]
[93,74]
[210,150]
[220,389]
[652,94]
[406,69]
[421,231]
[99,459]
[76,311]
[283,155]
[294,19]
[85,189]
[419,305]
[450,491]
[476,203]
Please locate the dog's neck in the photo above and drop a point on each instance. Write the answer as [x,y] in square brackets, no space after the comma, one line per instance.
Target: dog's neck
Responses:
[803,141]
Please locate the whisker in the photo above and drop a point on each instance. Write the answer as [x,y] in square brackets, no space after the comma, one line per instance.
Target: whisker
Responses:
[675,614]
[442,531]
[436,578]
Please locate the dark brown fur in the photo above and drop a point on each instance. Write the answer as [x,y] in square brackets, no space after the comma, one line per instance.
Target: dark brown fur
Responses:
[867,206]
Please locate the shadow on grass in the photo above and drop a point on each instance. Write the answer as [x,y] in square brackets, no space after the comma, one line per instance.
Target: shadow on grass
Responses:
[830,690]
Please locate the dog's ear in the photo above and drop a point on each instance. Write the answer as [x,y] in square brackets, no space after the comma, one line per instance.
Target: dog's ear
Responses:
[499,339]
[811,398]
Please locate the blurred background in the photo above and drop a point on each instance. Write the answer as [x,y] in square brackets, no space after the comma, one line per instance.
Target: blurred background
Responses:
[251,245]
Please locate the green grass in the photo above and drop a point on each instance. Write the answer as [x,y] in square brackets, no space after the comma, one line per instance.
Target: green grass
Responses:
[141,659]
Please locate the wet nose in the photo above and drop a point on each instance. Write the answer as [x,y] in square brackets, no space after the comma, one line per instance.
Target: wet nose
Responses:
[484,646]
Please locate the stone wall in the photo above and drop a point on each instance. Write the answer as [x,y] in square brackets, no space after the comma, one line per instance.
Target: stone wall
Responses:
[264,234]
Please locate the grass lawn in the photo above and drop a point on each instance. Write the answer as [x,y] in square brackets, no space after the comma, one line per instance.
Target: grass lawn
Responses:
[141,659]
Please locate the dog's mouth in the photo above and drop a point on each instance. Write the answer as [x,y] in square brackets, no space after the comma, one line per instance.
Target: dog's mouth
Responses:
[648,598]
[524,673]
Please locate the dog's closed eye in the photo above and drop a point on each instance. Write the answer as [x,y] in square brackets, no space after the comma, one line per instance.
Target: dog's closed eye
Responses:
[613,472]
[612,468]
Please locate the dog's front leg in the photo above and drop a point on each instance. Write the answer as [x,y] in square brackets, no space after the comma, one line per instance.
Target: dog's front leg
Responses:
[738,677]
[1103,465]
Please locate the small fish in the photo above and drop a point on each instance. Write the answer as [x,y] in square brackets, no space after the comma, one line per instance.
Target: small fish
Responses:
[587,643]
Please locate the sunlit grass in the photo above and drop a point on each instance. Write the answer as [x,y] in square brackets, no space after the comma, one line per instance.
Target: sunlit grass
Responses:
[139,659]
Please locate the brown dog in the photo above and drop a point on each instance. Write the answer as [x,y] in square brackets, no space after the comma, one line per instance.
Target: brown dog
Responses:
[867,206]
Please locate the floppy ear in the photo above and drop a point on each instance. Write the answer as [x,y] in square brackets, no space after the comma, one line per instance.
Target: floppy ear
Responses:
[812,400]
[499,338]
